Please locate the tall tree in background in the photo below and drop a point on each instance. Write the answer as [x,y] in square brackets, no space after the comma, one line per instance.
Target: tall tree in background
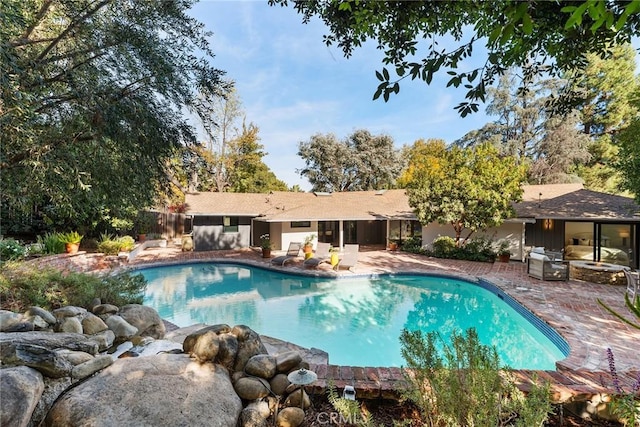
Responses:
[470,188]
[360,162]
[628,161]
[196,167]
[222,125]
[608,91]
[92,101]
[416,37]
[549,142]
[247,172]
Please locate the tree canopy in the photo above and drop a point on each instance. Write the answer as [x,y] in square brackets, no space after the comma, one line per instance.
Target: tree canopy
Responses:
[549,142]
[415,36]
[359,162]
[93,101]
[470,188]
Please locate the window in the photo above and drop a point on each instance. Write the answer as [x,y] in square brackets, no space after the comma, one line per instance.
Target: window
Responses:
[300,224]
[230,224]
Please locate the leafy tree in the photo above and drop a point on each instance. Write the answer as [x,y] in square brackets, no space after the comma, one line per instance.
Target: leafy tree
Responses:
[360,162]
[221,126]
[92,101]
[414,35]
[608,92]
[248,173]
[470,188]
[629,158]
[549,141]
[196,167]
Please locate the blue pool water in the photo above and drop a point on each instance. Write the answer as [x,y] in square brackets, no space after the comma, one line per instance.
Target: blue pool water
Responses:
[358,321]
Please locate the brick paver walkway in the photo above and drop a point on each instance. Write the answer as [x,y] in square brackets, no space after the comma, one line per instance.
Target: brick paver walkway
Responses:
[569,307]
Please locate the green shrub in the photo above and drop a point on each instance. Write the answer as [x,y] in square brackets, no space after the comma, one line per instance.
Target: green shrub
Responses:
[22,287]
[52,243]
[476,249]
[479,249]
[413,244]
[110,245]
[11,249]
[443,246]
[462,385]
[127,243]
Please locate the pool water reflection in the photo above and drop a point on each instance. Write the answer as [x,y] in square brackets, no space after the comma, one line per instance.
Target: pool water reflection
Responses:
[358,321]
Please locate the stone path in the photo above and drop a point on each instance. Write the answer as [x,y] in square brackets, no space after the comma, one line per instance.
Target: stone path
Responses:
[569,307]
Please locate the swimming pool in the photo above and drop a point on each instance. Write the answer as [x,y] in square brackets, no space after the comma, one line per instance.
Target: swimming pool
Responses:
[356,320]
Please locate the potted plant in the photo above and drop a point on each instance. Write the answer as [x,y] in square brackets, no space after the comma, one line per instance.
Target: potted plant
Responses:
[144,224]
[265,244]
[307,244]
[393,244]
[71,241]
[504,253]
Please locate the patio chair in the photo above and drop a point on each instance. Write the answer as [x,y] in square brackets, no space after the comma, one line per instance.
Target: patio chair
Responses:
[321,255]
[349,257]
[633,283]
[542,267]
[292,252]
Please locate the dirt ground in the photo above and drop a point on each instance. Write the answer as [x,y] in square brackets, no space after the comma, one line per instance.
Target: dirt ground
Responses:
[384,413]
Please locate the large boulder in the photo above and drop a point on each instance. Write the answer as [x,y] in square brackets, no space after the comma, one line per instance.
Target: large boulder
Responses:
[261,365]
[145,318]
[166,389]
[249,344]
[21,388]
[43,351]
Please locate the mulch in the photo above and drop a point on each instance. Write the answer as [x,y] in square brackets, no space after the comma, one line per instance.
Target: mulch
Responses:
[386,413]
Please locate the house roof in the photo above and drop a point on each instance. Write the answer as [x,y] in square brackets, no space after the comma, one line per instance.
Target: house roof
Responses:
[290,206]
[580,204]
[557,201]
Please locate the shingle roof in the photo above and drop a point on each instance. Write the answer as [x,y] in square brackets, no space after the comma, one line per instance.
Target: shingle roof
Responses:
[580,204]
[290,206]
[558,201]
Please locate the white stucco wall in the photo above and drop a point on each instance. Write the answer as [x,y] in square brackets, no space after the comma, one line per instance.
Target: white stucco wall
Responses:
[297,234]
[511,231]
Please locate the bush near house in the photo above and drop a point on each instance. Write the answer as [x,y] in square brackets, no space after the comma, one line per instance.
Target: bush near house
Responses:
[476,249]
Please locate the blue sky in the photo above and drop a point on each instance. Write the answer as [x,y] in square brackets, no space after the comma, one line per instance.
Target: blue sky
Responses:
[292,86]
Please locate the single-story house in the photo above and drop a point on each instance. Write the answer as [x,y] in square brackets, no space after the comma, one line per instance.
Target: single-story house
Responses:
[582,224]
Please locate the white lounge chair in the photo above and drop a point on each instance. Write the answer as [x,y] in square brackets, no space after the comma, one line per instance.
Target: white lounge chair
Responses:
[292,252]
[321,255]
[349,257]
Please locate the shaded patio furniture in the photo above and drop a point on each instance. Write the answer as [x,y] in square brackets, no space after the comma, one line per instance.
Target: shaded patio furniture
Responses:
[349,258]
[321,255]
[292,252]
[633,283]
[542,267]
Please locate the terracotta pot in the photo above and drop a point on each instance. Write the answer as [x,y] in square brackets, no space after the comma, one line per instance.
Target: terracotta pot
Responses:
[504,258]
[393,246]
[142,237]
[266,253]
[72,248]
